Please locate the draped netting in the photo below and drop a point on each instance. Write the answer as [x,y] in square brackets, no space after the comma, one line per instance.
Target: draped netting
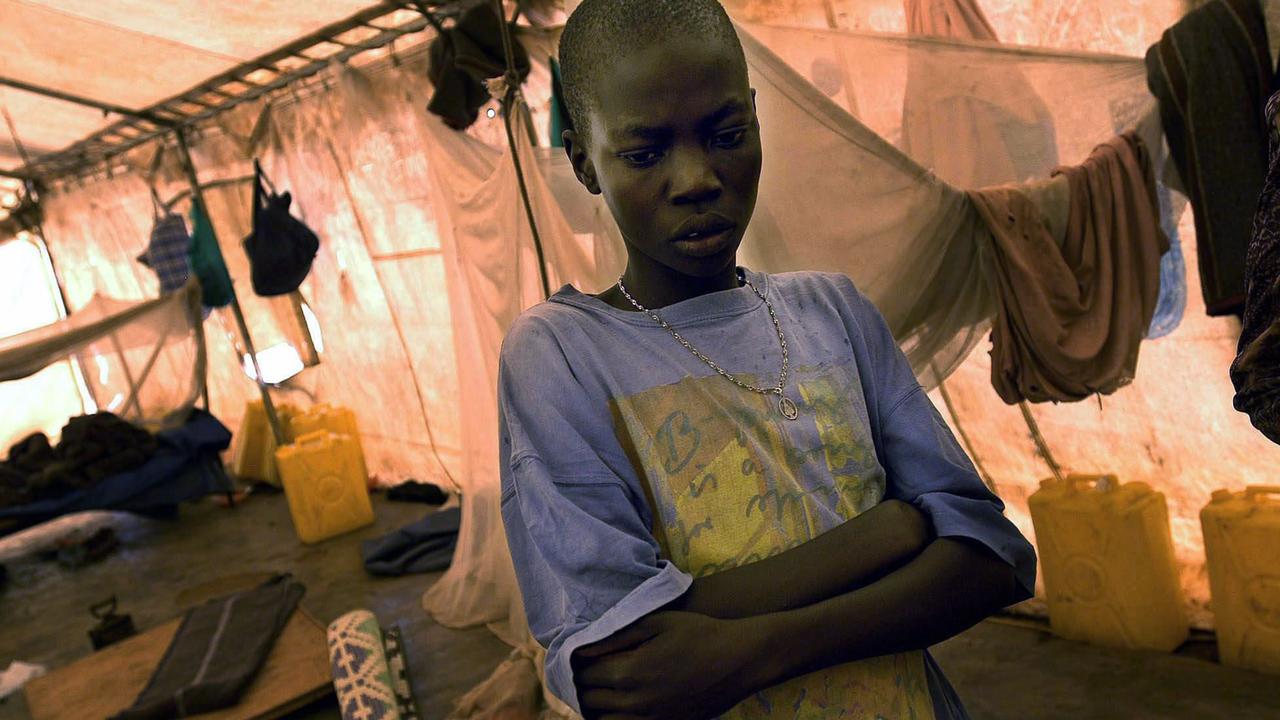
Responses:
[143,361]
[842,188]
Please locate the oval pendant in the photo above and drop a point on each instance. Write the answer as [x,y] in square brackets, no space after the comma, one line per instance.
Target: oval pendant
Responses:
[788,408]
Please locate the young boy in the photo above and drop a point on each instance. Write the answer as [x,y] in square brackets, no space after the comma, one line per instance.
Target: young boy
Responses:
[724,491]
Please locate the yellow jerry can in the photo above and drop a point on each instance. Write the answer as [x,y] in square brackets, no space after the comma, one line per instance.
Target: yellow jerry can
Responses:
[255,446]
[335,419]
[1242,546]
[1106,554]
[324,485]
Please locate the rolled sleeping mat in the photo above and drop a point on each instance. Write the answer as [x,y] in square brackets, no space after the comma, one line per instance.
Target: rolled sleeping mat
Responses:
[358,663]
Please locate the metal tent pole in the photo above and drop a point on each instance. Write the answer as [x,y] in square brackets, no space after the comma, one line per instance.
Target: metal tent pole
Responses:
[197,195]
[510,104]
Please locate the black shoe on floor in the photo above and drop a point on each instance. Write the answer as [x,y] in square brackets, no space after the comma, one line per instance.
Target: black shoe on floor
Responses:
[414,491]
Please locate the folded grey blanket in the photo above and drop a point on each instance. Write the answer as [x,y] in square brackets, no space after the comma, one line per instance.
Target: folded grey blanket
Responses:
[217,651]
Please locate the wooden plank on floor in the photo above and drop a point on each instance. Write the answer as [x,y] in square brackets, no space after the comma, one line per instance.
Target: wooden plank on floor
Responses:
[296,673]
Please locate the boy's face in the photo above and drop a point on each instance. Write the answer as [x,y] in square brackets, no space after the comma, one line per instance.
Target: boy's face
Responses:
[674,147]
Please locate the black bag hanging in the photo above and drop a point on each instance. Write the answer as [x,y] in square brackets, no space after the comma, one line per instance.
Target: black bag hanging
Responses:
[281,247]
[462,58]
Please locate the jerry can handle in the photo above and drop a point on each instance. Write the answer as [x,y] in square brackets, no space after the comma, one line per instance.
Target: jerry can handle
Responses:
[311,439]
[1253,491]
[1101,483]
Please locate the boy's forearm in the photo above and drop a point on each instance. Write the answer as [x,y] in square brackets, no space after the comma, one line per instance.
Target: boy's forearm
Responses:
[836,562]
[946,589]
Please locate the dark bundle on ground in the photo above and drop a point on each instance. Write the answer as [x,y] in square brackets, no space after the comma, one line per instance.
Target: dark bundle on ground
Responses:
[92,447]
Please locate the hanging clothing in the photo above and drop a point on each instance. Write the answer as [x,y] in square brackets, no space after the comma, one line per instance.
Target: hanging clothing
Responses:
[1212,74]
[207,262]
[1171,307]
[463,57]
[951,108]
[1256,370]
[1071,316]
[281,247]
[559,110]
[629,467]
[948,18]
[169,252]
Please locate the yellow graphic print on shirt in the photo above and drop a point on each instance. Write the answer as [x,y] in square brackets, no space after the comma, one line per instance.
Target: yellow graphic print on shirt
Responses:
[731,481]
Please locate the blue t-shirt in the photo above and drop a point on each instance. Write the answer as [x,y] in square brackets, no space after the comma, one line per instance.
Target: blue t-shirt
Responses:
[629,467]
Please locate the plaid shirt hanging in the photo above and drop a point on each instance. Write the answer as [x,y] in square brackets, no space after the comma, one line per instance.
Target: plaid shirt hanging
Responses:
[168,253]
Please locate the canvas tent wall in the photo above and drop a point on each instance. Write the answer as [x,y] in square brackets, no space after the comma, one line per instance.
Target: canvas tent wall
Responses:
[412,291]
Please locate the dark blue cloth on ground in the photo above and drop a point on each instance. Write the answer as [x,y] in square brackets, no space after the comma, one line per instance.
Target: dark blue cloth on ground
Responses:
[425,546]
[185,467]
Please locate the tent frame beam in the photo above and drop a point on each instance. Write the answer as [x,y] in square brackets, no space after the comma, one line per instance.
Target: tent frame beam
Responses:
[223,91]
[105,107]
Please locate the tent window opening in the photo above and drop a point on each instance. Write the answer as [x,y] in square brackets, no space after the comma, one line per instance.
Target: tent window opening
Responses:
[30,298]
[302,349]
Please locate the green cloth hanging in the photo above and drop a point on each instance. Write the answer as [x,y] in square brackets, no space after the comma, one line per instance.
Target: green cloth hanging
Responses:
[206,260]
[559,111]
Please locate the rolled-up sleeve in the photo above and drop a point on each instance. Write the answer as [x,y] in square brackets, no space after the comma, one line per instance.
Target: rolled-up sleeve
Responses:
[924,465]
[579,531]
[586,564]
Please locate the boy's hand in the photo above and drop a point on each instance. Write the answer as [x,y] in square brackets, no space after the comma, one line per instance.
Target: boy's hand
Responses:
[668,665]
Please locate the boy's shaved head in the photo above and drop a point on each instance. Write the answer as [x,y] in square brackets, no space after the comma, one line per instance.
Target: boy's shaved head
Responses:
[600,32]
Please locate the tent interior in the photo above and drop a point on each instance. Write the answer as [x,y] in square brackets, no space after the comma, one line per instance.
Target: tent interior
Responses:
[123,118]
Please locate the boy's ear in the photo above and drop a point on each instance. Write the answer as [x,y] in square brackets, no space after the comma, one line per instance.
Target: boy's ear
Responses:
[581,162]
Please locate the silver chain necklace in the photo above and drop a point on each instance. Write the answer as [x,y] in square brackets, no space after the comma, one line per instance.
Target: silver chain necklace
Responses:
[785,405]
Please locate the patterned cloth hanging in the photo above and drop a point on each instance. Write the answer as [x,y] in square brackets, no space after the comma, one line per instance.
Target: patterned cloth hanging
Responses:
[168,253]
[1256,370]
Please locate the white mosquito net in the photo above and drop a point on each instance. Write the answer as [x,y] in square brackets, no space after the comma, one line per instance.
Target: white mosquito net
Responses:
[142,361]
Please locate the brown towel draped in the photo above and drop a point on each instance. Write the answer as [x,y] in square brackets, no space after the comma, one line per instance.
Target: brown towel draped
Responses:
[1070,317]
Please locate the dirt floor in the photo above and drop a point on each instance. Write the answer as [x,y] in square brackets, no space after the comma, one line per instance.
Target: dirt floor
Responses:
[1003,670]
